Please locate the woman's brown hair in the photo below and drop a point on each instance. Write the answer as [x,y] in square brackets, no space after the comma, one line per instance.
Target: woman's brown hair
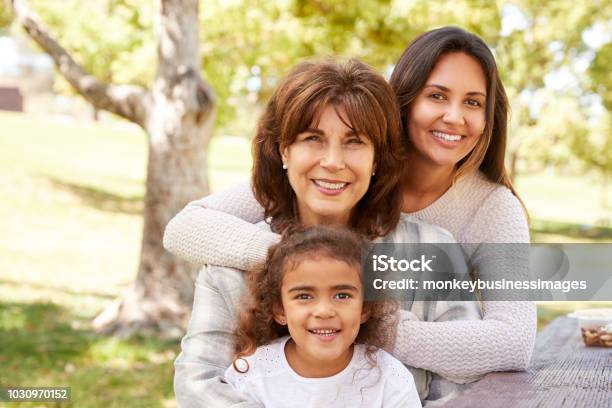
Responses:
[415,66]
[371,110]
[257,325]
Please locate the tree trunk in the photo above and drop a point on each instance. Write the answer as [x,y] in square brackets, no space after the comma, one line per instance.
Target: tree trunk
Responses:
[180,125]
[178,115]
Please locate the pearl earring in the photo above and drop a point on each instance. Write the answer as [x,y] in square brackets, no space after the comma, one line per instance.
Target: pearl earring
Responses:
[373,173]
[284,166]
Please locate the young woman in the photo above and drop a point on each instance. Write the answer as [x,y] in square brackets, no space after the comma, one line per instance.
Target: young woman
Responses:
[327,151]
[454,113]
[307,338]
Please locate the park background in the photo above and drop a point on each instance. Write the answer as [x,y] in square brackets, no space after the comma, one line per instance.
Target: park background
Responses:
[72,176]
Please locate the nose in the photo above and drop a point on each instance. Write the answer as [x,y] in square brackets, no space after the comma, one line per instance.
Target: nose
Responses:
[454,114]
[324,310]
[333,157]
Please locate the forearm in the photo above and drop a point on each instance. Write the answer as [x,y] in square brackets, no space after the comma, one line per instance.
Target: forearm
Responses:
[219,230]
[204,236]
[504,338]
[463,350]
[206,388]
[207,347]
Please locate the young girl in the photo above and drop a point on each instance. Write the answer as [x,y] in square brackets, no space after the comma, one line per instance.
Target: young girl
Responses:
[307,339]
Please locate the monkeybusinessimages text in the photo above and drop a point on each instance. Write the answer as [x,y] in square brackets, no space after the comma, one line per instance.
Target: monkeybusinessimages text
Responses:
[385,263]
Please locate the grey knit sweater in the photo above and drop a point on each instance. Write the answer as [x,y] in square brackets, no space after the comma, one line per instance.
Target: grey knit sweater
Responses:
[219,229]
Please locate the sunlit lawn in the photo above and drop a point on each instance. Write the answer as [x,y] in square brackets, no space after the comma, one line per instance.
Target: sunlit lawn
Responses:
[71,197]
[566,199]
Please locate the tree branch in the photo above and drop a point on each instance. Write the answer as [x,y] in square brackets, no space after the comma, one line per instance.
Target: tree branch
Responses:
[128,101]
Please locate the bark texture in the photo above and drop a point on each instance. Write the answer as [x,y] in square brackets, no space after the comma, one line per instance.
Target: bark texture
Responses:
[178,115]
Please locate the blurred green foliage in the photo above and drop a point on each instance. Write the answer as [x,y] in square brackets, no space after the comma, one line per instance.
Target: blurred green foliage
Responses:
[112,39]
[599,71]
[5,16]
[268,38]
[246,46]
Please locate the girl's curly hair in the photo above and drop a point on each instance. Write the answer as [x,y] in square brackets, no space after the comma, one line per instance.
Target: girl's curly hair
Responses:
[257,326]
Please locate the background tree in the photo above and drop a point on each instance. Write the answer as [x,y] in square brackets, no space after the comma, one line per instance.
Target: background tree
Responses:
[545,141]
[531,47]
[595,150]
[242,36]
[177,112]
[599,72]
[5,16]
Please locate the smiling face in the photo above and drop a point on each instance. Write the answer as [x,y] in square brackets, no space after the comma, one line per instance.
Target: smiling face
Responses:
[322,301]
[447,118]
[329,167]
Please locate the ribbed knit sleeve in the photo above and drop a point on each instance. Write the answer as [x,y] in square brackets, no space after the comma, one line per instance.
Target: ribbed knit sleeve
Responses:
[504,339]
[220,230]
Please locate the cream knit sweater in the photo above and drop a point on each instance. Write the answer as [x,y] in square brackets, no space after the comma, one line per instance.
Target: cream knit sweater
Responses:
[219,229]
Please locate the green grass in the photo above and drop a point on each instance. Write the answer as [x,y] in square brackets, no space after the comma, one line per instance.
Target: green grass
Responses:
[71,198]
[47,344]
[557,231]
[558,198]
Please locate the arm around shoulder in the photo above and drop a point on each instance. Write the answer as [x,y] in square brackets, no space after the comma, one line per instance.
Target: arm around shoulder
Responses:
[219,230]
[503,340]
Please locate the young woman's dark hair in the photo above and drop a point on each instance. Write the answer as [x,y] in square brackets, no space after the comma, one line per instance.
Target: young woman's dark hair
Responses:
[371,110]
[415,66]
[257,325]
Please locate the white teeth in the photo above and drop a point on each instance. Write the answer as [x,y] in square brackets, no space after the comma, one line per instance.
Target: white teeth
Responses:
[446,136]
[330,186]
[324,331]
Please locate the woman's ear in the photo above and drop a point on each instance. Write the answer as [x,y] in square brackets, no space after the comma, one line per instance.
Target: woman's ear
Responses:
[279,315]
[284,155]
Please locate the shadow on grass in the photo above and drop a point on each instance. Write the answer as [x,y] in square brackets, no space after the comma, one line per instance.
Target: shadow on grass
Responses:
[45,344]
[38,336]
[100,199]
[571,230]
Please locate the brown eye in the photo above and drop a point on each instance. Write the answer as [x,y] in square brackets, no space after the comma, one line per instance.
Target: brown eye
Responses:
[436,96]
[312,138]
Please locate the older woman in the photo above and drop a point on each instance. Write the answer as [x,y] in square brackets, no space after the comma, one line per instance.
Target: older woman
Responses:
[327,151]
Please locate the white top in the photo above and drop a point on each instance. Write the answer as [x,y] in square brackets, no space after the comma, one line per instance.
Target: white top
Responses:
[271,381]
[219,229]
